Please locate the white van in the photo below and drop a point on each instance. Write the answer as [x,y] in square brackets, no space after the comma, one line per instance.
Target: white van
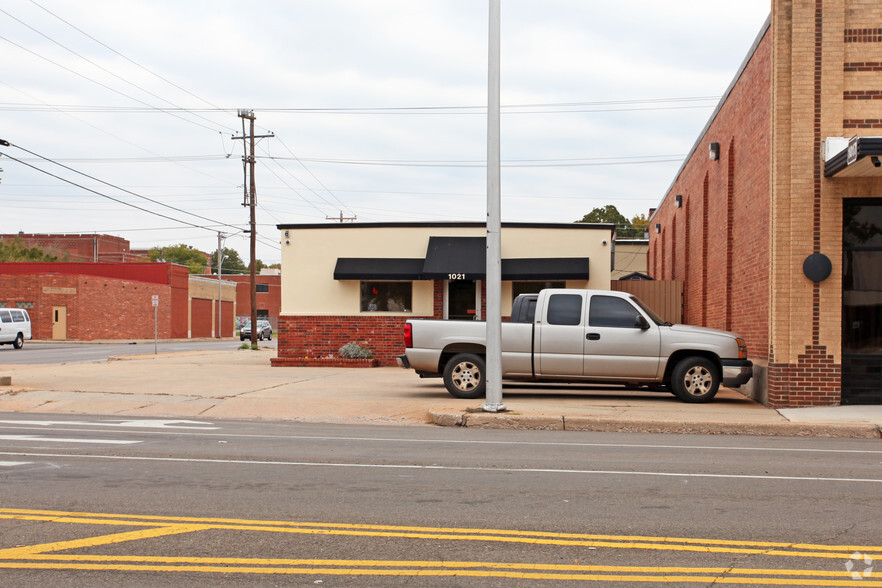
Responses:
[15,326]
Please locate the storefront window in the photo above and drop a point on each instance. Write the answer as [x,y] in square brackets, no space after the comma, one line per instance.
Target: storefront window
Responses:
[386,296]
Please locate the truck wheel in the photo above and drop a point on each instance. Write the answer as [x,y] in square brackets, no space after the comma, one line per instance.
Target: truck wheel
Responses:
[464,376]
[695,379]
[19,341]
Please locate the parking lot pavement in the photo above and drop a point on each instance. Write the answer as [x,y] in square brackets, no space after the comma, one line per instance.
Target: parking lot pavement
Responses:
[241,384]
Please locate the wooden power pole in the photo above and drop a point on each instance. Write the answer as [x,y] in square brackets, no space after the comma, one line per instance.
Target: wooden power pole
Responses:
[251,202]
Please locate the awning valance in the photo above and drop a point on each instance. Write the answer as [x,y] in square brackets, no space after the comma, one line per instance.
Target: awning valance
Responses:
[459,258]
[377,268]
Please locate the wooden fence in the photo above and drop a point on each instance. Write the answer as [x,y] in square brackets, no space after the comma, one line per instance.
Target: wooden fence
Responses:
[664,297]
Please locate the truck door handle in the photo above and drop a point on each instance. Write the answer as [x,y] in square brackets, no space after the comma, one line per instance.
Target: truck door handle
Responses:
[593,336]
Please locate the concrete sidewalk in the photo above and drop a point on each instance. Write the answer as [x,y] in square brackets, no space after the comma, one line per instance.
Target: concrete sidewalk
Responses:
[240,384]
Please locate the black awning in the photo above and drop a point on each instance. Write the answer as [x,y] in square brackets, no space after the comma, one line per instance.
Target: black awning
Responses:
[463,257]
[545,268]
[377,268]
[860,160]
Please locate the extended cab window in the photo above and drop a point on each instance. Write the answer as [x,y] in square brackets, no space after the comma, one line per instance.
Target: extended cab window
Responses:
[5,317]
[609,311]
[564,309]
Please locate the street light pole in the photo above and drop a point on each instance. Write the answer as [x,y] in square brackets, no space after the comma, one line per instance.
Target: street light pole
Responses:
[493,400]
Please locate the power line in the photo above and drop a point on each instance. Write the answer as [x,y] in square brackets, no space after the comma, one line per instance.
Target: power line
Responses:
[115,187]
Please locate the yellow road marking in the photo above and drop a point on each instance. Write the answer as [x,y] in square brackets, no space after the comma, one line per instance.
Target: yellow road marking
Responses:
[462,534]
[631,578]
[44,556]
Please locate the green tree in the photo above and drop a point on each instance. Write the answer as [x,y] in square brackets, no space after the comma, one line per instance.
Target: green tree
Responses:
[231,263]
[16,250]
[182,254]
[640,223]
[611,214]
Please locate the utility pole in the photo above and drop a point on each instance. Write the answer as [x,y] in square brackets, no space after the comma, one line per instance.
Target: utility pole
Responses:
[342,218]
[219,330]
[251,201]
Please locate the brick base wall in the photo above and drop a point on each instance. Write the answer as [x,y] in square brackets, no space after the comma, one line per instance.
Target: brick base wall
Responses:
[323,336]
[815,380]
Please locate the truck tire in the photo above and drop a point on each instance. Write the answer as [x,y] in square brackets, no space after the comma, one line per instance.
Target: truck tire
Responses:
[19,341]
[695,379]
[464,376]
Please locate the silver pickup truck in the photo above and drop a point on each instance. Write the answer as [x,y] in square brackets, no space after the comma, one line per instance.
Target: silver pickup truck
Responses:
[569,335]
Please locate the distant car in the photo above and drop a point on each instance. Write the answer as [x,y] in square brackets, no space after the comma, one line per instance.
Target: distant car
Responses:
[264,330]
[15,327]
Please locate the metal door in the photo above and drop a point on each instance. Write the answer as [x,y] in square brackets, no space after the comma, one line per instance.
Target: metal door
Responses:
[59,322]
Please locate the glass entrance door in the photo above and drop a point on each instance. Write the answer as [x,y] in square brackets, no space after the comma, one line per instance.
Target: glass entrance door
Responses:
[461,300]
[862,301]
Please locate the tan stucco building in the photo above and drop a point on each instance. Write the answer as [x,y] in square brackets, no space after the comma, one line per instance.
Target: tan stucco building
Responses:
[360,282]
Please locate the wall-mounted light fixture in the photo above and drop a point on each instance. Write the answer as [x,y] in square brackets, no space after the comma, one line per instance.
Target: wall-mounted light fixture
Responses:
[287,234]
[678,200]
[875,160]
[714,151]
[657,228]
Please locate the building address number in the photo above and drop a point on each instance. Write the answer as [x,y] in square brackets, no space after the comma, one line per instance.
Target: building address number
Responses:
[456,276]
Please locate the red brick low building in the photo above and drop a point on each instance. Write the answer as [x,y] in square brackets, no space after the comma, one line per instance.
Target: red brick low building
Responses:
[89,301]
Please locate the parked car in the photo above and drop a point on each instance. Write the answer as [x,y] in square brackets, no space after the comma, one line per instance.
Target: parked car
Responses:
[15,326]
[264,331]
[581,336]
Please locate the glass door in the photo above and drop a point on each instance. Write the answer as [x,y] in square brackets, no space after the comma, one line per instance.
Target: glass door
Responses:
[461,300]
[862,301]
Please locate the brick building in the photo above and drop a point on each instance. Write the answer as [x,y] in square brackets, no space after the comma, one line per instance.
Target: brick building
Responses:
[81,247]
[89,301]
[269,297]
[774,221]
[359,283]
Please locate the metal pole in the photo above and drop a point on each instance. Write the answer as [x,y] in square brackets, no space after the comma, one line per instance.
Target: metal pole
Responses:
[493,400]
[155,320]
[218,333]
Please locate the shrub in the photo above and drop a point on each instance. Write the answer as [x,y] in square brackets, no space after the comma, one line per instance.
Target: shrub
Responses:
[355,351]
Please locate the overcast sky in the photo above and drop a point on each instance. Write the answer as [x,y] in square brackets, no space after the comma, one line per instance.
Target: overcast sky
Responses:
[378,109]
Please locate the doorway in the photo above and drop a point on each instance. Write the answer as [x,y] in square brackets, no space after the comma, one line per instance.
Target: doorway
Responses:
[59,322]
[462,300]
[862,301]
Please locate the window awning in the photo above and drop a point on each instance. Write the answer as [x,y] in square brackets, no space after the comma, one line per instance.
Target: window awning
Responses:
[861,159]
[377,268]
[459,258]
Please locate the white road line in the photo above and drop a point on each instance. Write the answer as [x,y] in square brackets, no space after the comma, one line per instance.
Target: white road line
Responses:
[447,468]
[43,439]
[134,423]
[9,464]
[437,441]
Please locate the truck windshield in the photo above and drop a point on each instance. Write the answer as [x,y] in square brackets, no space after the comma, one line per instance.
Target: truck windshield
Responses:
[655,318]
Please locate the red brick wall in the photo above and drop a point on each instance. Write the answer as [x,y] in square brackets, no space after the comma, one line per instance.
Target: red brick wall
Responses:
[100,307]
[719,243]
[323,336]
[270,301]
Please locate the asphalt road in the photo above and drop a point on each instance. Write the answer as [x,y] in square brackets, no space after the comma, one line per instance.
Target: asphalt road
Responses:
[114,501]
[45,353]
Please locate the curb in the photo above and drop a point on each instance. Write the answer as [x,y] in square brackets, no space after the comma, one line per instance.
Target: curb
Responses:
[548,423]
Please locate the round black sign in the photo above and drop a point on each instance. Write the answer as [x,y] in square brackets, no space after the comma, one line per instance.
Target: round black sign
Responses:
[817,267]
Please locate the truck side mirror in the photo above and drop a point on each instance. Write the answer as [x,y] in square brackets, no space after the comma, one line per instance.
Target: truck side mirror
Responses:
[641,322]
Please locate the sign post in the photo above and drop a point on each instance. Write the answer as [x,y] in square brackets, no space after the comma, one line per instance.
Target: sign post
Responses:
[155,301]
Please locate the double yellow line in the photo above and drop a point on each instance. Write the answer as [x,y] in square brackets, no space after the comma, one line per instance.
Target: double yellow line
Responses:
[47,556]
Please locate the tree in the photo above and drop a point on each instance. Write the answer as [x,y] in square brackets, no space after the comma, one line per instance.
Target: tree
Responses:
[640,224]
[231,263]
[182,254]
[16,250]
[611,214]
